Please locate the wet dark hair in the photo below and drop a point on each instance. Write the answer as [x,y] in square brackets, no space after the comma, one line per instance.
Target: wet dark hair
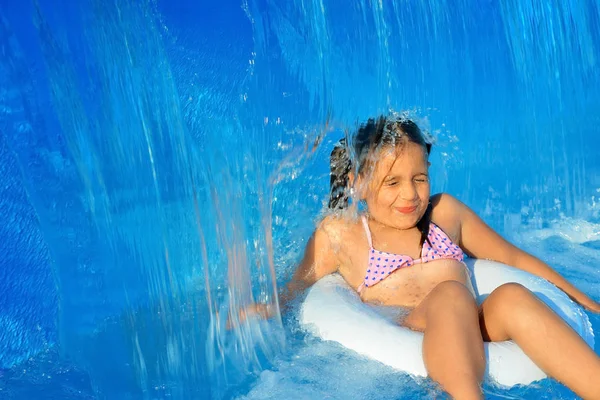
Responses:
[374,134]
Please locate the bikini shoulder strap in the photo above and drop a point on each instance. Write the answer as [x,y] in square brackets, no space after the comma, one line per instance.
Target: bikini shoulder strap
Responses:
[367,231]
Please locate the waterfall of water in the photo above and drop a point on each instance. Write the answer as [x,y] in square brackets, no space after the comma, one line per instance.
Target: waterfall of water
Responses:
[175,153]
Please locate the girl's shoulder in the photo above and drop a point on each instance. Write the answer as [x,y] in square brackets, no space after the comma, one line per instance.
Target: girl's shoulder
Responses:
[340,228]
[446,213]
[339,221]
[445,202]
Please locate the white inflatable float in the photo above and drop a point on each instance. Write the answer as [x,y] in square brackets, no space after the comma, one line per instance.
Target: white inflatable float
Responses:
[333,311]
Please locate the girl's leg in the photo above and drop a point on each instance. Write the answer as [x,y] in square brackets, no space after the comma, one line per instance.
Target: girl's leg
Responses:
[513,312]
[452,344]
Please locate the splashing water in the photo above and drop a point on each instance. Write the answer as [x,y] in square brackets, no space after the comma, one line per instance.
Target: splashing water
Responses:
[175,158]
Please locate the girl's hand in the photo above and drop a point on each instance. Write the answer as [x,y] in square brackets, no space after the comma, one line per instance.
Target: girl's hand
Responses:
[586,302]
[592,306]
[264,311]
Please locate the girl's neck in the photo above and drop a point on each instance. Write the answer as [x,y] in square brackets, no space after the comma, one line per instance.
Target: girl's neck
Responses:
[393,240]
[381,228]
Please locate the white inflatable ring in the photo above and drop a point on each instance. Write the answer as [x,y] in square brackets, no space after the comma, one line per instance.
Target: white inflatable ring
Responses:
[333,311]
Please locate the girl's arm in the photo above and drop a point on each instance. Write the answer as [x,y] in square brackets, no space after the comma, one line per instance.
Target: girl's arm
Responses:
[481,241]
[319,260]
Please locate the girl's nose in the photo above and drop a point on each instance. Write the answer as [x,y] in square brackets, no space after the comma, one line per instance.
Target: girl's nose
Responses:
[408,192]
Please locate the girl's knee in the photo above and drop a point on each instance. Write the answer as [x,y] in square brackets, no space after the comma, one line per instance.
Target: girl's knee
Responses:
[447,299]
[451,294]
[511,307]
[510,297]
[512,293]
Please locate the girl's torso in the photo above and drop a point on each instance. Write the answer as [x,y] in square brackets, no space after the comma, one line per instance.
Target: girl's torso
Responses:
[408,285]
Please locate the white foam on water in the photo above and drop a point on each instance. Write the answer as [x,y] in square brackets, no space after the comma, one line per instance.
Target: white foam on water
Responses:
[571,229]
[324,370]
[569,245]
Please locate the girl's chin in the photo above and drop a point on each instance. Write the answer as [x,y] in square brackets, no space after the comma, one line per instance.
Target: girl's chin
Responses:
[401,223]
[405,226]
[406,221]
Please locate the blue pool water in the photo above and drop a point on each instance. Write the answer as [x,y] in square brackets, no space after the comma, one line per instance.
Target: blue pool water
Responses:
[163,161]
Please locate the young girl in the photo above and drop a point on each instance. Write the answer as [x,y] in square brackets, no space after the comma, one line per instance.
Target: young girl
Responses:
[407,250]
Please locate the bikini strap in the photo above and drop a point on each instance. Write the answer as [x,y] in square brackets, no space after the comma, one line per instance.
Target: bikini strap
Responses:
[367,231]
[360,288]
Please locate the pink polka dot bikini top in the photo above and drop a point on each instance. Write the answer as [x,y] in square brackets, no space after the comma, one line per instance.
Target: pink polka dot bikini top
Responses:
[438,246]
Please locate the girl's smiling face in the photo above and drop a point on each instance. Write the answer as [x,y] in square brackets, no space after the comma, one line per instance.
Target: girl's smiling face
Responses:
[397,192]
